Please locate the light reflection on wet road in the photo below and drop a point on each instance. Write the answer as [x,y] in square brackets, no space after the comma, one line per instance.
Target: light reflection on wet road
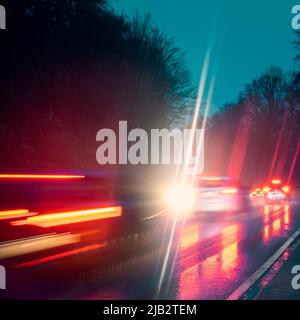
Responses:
[243,244]
[216,254]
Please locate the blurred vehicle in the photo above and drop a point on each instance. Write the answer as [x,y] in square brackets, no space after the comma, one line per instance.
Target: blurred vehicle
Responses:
[56,227]
[50,211]
[220,194]
[209,194]
[275,191]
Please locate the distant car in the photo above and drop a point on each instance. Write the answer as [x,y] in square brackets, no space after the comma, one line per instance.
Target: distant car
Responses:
[275,191]
[257,193]
[215,194]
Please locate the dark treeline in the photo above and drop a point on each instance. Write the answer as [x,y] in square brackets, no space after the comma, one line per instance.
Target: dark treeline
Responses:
[256,137]
[70,68]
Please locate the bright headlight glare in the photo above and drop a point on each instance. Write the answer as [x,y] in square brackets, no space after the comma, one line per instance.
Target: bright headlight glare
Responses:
[180,198]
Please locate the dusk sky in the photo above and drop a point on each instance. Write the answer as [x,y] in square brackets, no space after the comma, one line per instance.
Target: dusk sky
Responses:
[244,37]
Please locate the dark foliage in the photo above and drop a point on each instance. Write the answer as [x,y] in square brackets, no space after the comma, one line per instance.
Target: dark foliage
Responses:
[70,68]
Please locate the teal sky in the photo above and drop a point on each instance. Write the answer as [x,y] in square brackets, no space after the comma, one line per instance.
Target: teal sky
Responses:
[244,37]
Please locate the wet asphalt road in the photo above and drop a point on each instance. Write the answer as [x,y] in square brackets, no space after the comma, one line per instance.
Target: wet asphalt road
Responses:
[207,257]
[210,256]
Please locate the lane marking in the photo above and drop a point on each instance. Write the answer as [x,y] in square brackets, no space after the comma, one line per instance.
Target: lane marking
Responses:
[242,289]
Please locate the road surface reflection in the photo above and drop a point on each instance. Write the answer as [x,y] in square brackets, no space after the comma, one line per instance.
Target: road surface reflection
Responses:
[203,268]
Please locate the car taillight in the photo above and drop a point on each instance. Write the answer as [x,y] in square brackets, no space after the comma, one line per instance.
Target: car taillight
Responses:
[229,191]
[276,181]
[266,189]
[286,189]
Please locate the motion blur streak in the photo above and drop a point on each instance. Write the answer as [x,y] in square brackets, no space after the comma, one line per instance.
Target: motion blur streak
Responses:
[62,218]
[37,176]
[61,255]
[295,157]
[239,149]
[276,151]
[12,214]
[30,245]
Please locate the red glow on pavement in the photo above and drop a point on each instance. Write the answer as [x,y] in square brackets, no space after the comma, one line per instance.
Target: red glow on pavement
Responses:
[229,254]
[230,230]
[286,217]
[287,208]
[276,208]
[190,235]
[276,219]
[189,283]
[38,176]
[266,209]
[62,218]
[266,212]
[239,149]
[266,233]
[210,267]
[276,226]
[216,270]
[61,255]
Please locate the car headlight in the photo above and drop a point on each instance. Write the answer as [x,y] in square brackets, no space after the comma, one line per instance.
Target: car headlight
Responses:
[180,197]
